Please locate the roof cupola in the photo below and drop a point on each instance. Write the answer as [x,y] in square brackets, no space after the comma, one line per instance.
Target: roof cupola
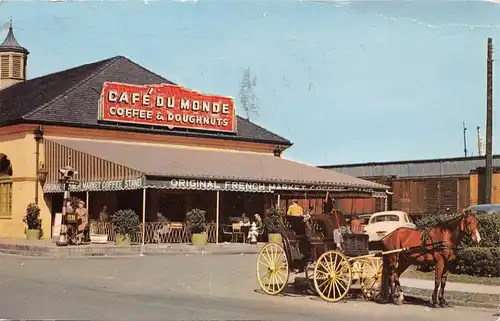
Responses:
[13,60]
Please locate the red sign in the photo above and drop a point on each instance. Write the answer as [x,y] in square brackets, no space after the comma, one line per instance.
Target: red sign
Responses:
[166,105]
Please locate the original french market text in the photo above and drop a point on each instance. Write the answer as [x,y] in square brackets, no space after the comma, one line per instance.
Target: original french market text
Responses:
[253,187]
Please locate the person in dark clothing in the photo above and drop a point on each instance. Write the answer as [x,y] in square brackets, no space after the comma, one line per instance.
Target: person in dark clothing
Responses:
[328,205]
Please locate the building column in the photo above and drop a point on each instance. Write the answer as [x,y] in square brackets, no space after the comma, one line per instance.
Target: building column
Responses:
[143,220]
[217,202]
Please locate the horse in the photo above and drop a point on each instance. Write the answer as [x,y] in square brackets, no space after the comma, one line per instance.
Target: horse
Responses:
[434,245]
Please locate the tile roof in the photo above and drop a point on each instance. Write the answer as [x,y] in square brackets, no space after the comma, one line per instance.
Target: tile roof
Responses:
[182,162]
[71,98]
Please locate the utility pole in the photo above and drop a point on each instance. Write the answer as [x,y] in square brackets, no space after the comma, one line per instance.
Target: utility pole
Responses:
[480,144]
[489,123]
[465,140]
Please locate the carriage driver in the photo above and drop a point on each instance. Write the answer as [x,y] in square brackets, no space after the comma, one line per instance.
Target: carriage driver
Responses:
[295,209]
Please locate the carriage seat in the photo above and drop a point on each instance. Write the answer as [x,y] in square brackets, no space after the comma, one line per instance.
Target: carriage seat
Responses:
[296,225]
[355,244]
[295,232]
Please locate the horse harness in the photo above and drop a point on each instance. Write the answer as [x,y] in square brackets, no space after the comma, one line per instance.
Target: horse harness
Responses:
[427,247]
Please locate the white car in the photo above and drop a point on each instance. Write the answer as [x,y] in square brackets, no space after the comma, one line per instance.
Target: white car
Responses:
[383,223]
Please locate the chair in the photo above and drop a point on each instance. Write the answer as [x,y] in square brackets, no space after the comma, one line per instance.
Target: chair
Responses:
[237,233]
[176,232]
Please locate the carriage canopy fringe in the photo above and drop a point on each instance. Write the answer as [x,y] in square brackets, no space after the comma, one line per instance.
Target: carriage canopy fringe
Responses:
[108,166]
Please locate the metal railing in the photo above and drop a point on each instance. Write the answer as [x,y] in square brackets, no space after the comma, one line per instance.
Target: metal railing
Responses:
[156,232]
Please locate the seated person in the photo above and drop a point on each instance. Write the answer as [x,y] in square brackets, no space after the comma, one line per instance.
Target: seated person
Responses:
[244,219]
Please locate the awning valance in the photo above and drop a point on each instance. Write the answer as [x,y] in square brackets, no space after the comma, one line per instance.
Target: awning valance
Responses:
[180,167]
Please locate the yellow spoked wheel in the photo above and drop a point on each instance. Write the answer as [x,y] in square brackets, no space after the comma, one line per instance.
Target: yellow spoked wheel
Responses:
[371,278]
[272,269]
[332,276]
[356,269]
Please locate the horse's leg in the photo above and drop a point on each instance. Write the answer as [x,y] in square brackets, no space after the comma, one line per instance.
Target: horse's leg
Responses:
[402,266]
[395,286]
[437,278]
[392,263]
[444,276]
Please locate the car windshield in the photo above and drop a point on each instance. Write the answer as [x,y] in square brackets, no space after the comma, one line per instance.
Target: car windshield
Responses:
[385,218]
[364,220]
[486,208]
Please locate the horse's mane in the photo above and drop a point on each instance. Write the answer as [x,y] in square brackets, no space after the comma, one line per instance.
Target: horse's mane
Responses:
[446,222]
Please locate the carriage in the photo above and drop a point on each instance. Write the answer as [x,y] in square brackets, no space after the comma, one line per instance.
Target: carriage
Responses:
[331,261]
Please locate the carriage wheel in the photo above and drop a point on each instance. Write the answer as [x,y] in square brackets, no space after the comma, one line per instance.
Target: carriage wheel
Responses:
[371,278]
[272,269]
[332,276]
[310,277]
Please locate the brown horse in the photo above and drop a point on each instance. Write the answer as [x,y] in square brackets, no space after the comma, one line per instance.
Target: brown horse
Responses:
[425,250]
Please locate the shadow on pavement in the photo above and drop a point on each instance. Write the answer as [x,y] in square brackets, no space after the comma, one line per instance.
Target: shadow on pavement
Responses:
[413,300]
[289,291]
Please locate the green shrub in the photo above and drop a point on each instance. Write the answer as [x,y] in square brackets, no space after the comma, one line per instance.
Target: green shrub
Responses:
[125,222]
[273,219]
[195,220]
[478,261]
[32,217]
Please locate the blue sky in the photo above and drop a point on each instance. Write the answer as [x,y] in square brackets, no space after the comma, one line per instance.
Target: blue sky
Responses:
[347,82]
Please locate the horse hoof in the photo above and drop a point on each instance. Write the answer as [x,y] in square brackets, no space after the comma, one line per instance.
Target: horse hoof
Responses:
[434,305]
[399,302]
[443,304]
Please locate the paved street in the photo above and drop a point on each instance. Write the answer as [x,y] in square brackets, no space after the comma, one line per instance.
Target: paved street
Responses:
[175,287]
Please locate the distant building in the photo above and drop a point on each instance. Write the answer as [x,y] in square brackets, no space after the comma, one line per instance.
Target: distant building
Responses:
[423,186]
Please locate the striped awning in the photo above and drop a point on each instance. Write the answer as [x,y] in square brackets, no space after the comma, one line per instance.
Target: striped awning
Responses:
[106,165]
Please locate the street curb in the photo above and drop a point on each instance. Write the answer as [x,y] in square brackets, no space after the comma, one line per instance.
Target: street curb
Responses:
[470,304]
[112,251]
[426,296]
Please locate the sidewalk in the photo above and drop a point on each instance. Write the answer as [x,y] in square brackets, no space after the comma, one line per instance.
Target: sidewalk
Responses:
[452,286]
[48,248]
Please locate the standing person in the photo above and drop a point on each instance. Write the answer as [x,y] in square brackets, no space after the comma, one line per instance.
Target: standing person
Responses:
[103,215]
[295,209]
[162,228]
[83,215]
[356,226]
[328,205]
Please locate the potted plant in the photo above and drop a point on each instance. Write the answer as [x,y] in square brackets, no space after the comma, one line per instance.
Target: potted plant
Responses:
[33,221]
[195,220]
[272,223]
[125,223]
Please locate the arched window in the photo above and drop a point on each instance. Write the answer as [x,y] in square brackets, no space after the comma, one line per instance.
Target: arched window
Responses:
[5,186]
